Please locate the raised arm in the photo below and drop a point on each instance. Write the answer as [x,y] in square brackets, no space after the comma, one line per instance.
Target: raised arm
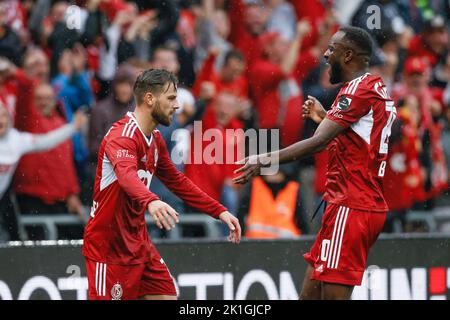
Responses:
[49,140]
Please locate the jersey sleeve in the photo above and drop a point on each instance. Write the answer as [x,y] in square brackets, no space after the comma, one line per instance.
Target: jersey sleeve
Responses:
[348,108]
[123,154]
[182,186]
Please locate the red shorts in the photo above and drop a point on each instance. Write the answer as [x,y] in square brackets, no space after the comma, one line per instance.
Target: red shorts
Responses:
[340,251]
[129,282]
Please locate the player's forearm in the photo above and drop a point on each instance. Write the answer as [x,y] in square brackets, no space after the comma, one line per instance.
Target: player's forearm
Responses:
[191,194]
[301,149]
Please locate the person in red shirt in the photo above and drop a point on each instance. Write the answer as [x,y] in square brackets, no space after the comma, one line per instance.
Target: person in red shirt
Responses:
[274,82]
[219,117]
[403,180]
[46,182]
[356,132]
[121,260]
[230,78]
[248,19]
[432,43]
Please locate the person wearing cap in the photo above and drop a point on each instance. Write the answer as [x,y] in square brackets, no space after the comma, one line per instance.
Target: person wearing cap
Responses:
[432,43]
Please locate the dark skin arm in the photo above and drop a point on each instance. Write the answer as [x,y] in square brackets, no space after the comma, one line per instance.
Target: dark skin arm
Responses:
[326,132]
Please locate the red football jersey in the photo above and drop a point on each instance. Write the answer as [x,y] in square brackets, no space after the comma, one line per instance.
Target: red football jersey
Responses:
[357,156]
[127,160]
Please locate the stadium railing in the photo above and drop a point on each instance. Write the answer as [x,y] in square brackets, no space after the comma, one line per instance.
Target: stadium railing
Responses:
[50,224]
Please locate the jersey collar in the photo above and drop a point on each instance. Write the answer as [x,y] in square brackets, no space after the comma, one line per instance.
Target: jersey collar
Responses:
[133,118]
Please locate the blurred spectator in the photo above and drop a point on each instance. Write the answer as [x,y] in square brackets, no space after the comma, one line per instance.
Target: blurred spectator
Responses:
[432,161]
[230,76]
[13,145]
[403,179]
[113,108]
[270,206]
[72,87]
[272,81]
[248,19]
[46,182]
[214,165]
[432,43]
[282,18]
[36,65]
[212,31]
[11,45]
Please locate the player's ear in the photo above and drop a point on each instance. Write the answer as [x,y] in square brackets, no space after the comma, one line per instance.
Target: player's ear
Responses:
[348,56]
[149,98]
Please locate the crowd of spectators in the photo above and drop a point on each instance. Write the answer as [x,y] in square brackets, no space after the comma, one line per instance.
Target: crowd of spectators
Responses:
[241,64]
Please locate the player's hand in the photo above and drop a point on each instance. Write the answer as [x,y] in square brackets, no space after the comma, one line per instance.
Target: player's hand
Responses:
[233,223]
[251,167]
[313,109]
[163,214]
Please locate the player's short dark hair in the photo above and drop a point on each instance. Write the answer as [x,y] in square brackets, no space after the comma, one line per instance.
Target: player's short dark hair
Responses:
[152,80]
[360,38]
[233,54]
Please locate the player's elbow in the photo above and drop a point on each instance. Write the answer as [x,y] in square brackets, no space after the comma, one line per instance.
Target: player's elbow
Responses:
[321,142]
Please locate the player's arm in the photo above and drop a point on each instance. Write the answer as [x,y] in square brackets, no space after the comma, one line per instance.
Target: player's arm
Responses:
[184,188]
[122,153]
[327,131]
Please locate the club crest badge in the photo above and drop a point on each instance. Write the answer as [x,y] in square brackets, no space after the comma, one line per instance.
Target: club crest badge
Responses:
[116,292]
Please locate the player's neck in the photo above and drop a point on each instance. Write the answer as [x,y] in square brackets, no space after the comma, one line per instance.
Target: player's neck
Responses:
[145,121]
[355,74]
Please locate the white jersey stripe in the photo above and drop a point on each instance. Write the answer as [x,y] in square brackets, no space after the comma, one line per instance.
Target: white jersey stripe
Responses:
[126,127]
[132,132]
[355,86]
[130,128]
[333,238]
[336,239]
[341,238]
[96,276]
[351,83]
[100,278]
[104,279]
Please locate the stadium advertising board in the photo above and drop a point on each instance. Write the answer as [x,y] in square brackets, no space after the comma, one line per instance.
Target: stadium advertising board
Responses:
[416,267]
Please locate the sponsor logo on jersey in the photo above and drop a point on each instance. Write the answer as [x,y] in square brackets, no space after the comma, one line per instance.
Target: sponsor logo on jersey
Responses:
[123,153]
[116,292]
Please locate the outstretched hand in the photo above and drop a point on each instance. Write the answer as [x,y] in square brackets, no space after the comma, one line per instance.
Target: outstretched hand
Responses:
[251,167]
[163,214]
[233,223]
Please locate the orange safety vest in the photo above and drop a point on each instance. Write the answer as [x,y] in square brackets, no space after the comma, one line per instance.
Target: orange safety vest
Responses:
[270,218]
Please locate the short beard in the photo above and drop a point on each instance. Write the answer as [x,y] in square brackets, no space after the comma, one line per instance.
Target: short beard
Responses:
[159,116]
[336,73]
